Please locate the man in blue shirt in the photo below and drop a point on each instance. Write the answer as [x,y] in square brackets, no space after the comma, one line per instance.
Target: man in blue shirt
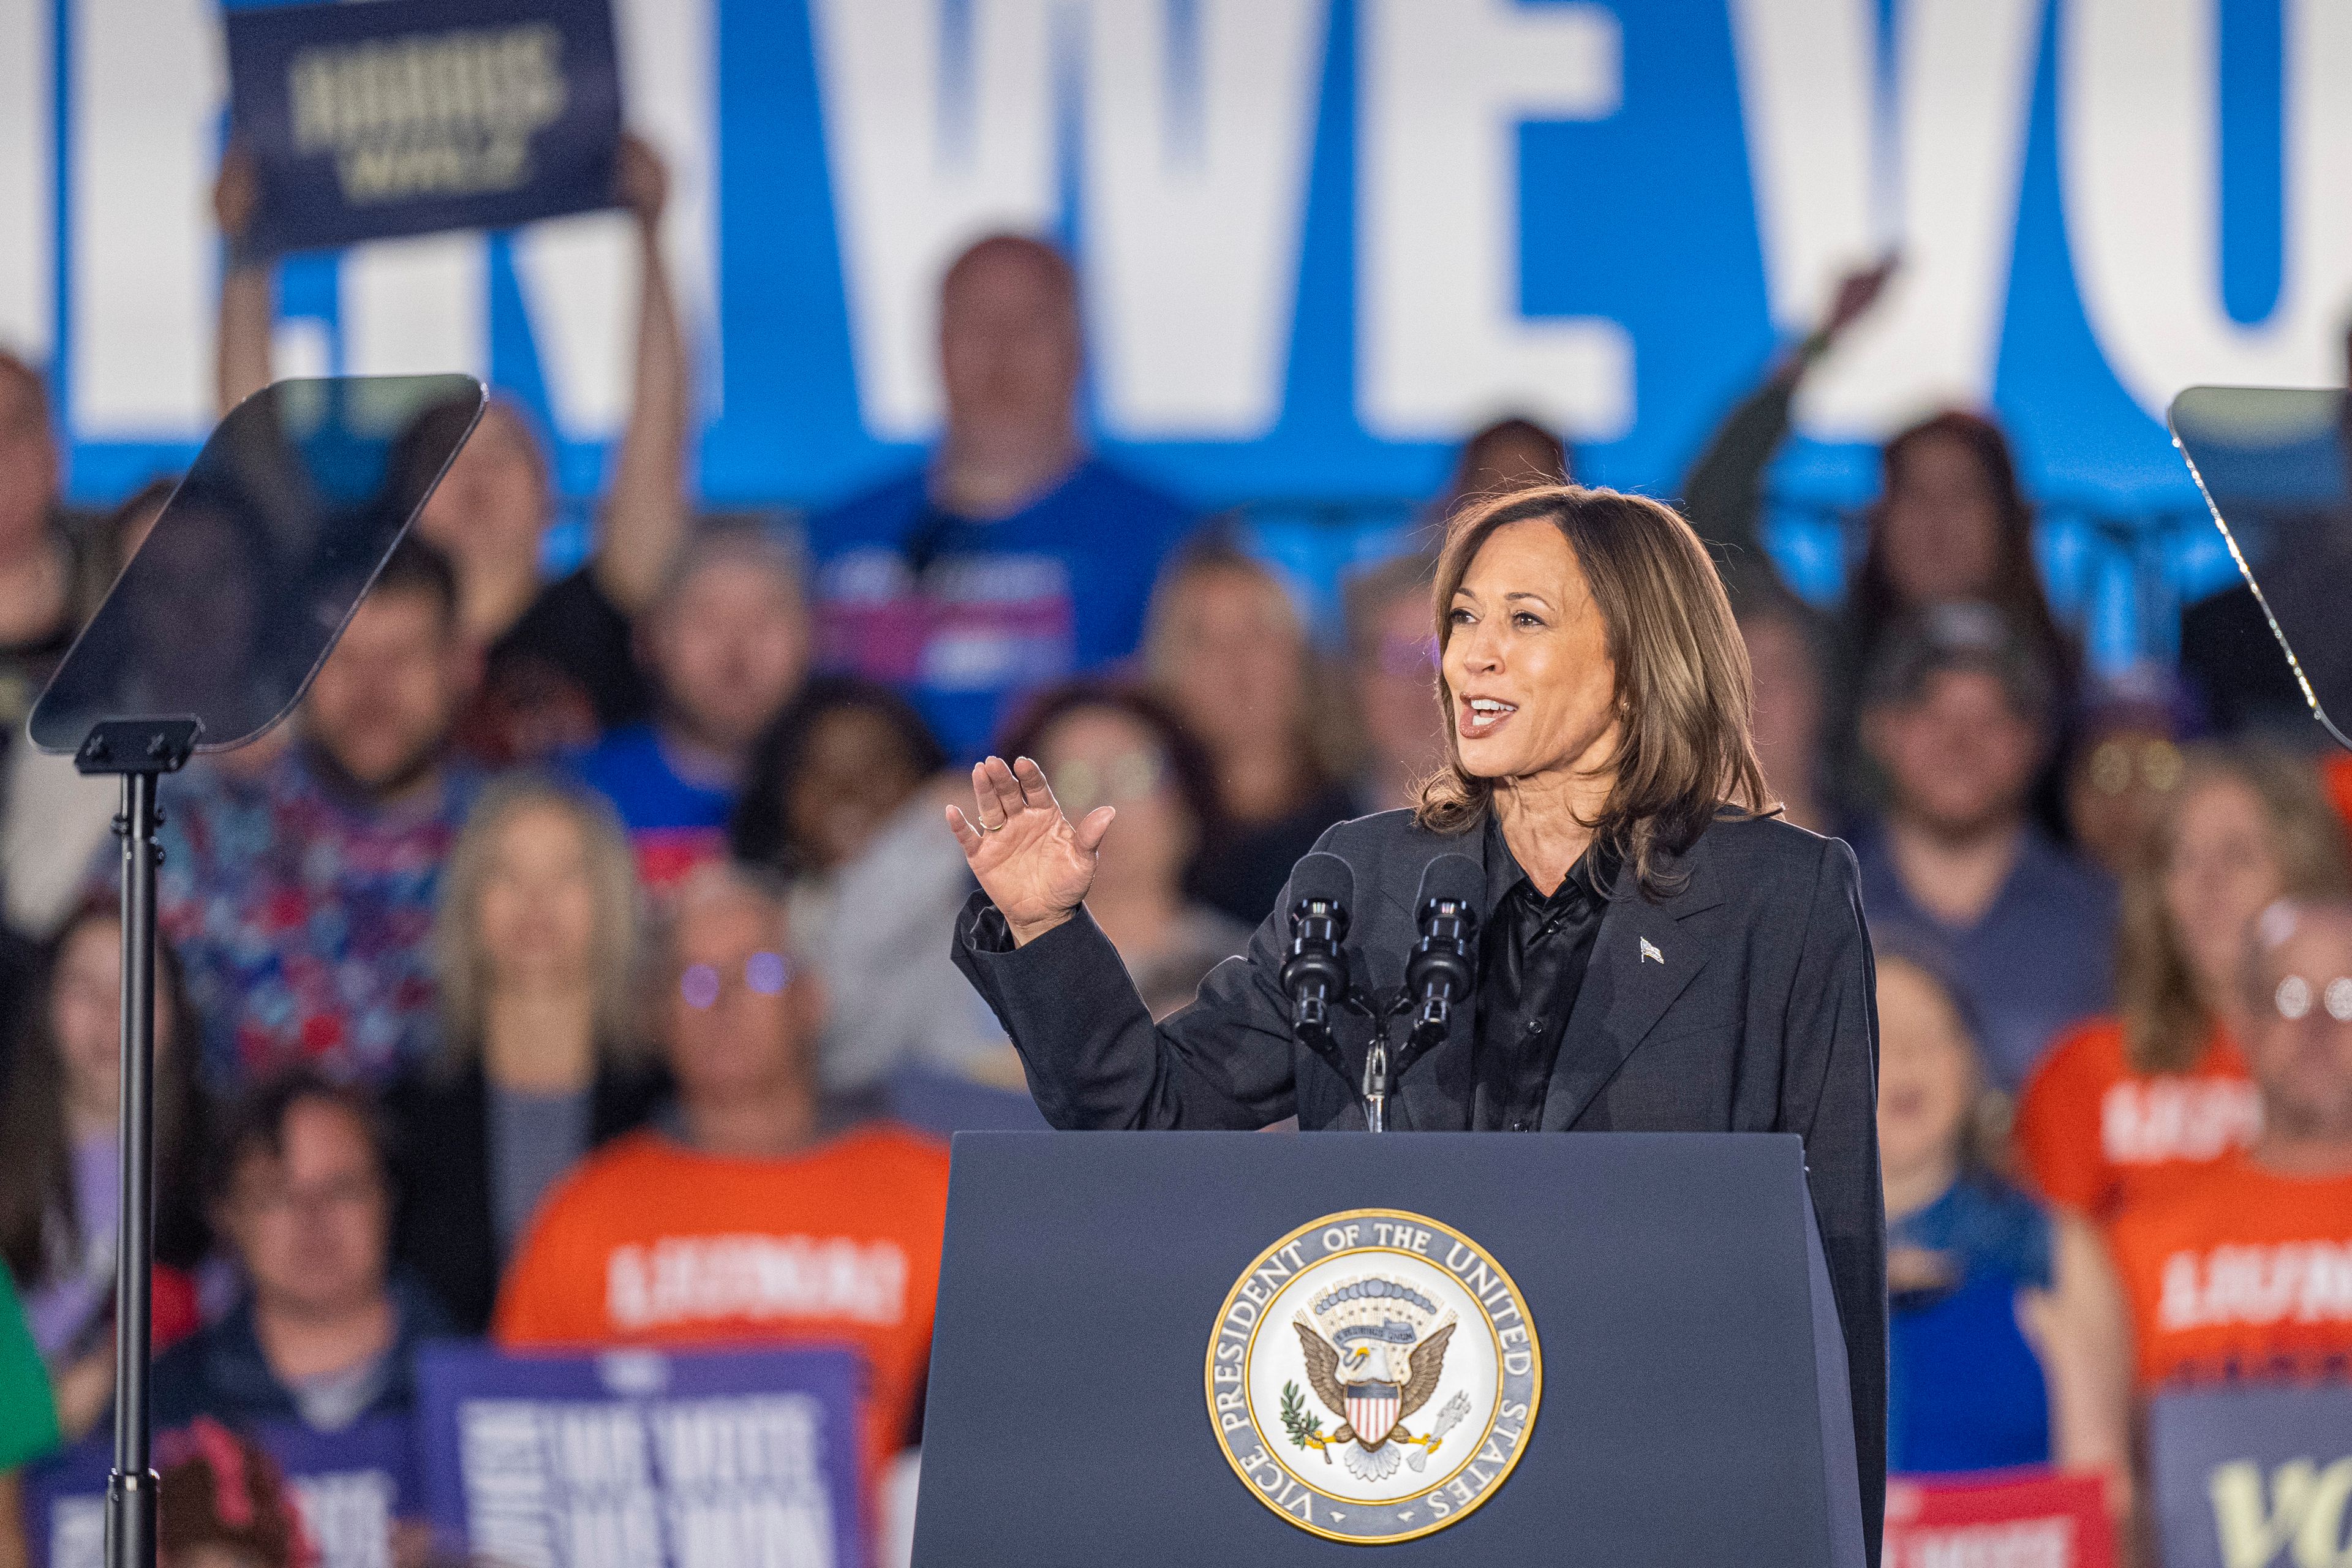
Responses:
[726,642]
[1958,716]
[1014,558]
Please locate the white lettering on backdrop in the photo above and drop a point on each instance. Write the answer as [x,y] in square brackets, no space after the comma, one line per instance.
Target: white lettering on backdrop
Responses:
[145,90]
[1843,172]
[2140,161]
[1195,192]
[1441,344]
[929,148]
[578,275]
[27,229]
[1192,182]
[1193,125]
[410,306]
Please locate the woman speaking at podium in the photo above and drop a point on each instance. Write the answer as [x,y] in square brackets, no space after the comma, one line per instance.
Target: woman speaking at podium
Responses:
[1657,952]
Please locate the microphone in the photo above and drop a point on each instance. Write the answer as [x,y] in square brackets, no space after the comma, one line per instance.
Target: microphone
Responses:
[1443,965]
[1314,974]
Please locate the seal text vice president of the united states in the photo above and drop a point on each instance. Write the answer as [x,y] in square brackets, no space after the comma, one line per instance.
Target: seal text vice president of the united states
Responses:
[1658,952]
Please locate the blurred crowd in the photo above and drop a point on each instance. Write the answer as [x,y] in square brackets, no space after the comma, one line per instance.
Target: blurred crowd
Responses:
[573,969]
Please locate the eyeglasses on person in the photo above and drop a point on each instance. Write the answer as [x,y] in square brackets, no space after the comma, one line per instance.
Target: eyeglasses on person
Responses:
[762,974]
[2294,995]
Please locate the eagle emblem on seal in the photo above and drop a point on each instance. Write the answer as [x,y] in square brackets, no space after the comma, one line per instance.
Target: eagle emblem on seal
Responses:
[1375,1355]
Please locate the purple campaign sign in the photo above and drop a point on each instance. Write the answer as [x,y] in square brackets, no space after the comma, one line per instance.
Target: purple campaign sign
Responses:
[2252,1478]
[643,1459]
[349,1485]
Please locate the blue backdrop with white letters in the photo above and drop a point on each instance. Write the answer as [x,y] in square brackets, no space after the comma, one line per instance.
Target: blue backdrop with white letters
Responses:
[2098,201]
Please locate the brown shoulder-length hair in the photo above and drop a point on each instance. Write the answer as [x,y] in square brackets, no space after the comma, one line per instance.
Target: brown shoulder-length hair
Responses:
[1682,673]
[2165,1023]
[41,1225]
[1873,603]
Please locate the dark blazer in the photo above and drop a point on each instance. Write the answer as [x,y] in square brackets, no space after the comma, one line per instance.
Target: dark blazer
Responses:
[1759,1015]
[443,1231]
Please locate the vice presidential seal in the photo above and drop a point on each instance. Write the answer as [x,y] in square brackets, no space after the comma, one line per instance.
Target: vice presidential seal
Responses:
[1373,1376]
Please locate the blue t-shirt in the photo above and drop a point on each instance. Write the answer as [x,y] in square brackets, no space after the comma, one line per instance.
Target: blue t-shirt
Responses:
[674,822]
[968,616]
[1965,1390]
[2042,957]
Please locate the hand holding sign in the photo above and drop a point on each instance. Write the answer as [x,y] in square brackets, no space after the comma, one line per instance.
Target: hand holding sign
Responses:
[641,181]
[237,195]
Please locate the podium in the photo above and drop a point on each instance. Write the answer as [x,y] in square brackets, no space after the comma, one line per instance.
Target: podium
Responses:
[1126,1361]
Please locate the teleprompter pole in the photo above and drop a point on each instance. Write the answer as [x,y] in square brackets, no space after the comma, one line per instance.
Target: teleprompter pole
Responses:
[140,751]
[130,1490]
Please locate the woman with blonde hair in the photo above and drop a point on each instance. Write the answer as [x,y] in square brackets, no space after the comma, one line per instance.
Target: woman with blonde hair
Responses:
[1655,951]
[2130,1101]
[535,948]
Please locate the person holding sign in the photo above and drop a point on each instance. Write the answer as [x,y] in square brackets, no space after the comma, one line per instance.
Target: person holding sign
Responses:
[1656,954]
[560,665]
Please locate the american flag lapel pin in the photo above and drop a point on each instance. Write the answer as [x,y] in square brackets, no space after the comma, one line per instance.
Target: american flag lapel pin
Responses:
[1650,954]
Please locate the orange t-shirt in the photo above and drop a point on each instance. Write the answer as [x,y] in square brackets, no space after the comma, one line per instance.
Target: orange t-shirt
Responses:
[2094,1135]
[2240,1273]
[649,1243]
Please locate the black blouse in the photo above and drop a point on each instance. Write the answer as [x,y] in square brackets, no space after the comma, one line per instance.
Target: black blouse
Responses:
[1532,958]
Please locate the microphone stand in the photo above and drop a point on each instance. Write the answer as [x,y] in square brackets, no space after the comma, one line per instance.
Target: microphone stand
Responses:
[1383,1063]
[139,752]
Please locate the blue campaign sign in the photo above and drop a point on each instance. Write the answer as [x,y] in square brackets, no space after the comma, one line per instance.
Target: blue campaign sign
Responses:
[2252,1478]
[1317,240]
[687,1459]
[350,1486]
[411,115]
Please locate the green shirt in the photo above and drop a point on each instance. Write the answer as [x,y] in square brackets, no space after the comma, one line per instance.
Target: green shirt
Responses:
[28,1417]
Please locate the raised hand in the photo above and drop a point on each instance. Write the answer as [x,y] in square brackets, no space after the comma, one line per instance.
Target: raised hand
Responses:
[641,180]
[1032,861]
[1857,291]
[236,193]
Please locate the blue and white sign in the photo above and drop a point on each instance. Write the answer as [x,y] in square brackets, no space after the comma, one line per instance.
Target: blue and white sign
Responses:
[351,1487]
[1318,237]
[696,1459]
[405,117]
[2252,1478]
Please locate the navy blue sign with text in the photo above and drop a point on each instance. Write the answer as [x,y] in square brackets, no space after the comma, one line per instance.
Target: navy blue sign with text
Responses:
[2252,1478]
[644,1458]
[350,1486]
[403,117]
